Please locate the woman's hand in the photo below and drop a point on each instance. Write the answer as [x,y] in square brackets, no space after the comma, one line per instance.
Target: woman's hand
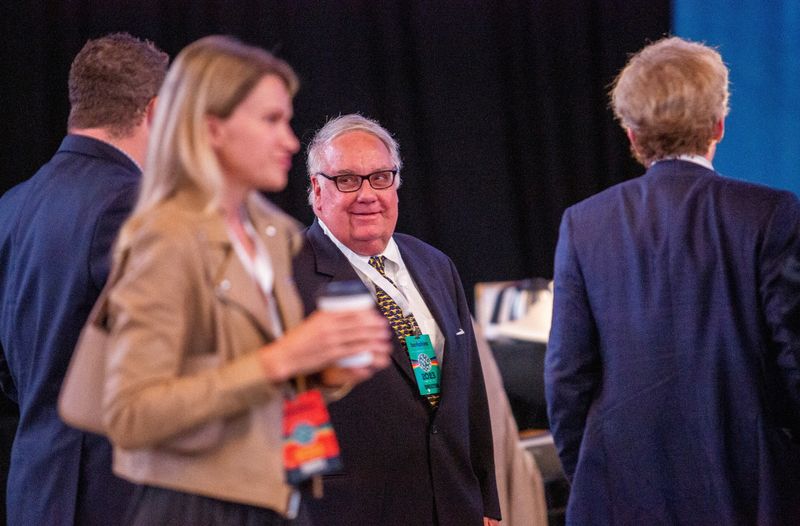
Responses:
[325,337]
[336,376]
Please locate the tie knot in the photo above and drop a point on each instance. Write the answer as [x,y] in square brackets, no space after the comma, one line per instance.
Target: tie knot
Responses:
[377,262]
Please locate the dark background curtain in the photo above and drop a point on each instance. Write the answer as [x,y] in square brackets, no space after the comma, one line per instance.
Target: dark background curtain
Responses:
[500,107]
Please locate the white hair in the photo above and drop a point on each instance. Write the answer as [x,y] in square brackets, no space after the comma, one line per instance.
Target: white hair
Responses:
[339,126]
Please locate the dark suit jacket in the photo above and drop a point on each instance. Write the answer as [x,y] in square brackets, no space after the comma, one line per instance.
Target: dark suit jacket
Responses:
[671,380]
[56,231]
[792,310]
[402,464]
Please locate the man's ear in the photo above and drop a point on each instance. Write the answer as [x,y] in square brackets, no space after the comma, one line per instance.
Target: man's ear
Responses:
[631,135]
[150,111]
[316,192]
[632,138]
[719,130]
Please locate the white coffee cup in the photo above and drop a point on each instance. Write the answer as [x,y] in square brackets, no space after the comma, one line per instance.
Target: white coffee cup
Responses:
[339,296]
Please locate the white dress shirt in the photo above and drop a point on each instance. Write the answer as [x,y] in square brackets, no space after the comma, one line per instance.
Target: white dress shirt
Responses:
[396,271]
[697,159]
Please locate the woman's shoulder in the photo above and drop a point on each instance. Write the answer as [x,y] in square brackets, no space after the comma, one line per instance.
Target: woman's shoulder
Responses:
[171,224]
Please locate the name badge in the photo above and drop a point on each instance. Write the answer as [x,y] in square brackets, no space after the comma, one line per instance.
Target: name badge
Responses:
[309,443]
[424,363]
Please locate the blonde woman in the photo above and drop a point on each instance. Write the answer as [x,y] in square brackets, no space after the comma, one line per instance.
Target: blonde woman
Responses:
[206,333]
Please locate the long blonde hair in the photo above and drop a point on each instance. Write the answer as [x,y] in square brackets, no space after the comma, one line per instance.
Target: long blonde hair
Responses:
[211,76]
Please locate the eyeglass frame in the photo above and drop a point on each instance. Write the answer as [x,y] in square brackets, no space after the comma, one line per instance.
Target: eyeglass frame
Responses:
[393,171]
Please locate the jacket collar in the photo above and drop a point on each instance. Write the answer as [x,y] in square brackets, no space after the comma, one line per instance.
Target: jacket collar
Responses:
[92,147]
[232,282]
[678,167]
[328,258]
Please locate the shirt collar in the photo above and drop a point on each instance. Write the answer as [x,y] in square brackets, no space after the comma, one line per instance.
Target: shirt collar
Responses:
[88,145]
[391,252]
[692,158]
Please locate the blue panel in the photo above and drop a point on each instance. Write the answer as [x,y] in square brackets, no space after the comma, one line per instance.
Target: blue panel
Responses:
[760,42]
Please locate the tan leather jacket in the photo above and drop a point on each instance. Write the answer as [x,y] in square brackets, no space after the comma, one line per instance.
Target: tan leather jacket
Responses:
[186,404]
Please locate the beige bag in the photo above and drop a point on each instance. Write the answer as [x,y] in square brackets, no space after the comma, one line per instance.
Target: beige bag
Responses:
[80,402]
[81,398]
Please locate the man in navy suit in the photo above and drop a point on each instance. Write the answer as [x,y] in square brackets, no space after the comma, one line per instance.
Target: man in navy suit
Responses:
[56,232]
[672,380]
[409,457]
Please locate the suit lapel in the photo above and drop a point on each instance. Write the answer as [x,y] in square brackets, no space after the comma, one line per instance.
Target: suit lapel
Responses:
[330,262]
[432,291]
[231,281]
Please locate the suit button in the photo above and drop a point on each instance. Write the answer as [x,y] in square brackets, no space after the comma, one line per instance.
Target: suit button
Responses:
[434,429]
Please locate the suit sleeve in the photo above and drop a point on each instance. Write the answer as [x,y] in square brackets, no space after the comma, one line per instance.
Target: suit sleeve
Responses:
[790,317]
[108,223]
[780,293]
[572,362]
[481,443]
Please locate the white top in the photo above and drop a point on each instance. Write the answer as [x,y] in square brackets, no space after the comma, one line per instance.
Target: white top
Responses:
[404,292]
[260,268]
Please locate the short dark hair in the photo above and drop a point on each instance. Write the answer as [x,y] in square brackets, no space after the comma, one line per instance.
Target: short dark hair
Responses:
[111,82]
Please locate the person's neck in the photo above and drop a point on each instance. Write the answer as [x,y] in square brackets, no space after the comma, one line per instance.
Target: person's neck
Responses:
[712,150]
[133,145]
[369,248]
[364,249]
[232,198]
[232,205]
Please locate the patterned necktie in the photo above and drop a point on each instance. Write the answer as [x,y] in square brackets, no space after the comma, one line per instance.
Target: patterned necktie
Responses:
[401,325]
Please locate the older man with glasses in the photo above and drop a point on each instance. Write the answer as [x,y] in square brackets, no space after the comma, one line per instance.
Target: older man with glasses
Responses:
[416,439]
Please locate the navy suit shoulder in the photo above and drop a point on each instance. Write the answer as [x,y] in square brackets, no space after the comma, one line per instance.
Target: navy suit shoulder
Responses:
[423,255]
[56,232]
[676,182]
[411,243]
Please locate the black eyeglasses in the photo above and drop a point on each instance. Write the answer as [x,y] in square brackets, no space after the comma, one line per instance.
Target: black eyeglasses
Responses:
[352,182]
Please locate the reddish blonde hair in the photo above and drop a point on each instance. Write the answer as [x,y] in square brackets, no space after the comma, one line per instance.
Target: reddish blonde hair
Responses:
[671,95]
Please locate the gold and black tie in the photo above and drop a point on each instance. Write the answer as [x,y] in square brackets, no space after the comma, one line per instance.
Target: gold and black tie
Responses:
[401,325]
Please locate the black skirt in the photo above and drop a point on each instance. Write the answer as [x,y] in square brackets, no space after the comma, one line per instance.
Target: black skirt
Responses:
[151,506]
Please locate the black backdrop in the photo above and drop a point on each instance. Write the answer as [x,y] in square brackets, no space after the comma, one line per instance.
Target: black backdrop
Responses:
[500,107]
